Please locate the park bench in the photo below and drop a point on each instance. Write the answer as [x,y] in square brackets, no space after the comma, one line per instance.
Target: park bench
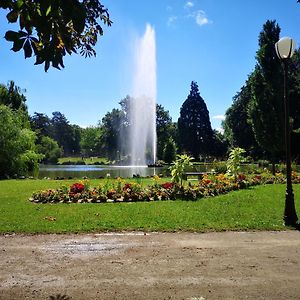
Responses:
[199,175]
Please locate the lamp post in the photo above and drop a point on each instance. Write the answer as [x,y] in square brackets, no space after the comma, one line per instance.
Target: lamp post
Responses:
[285,49]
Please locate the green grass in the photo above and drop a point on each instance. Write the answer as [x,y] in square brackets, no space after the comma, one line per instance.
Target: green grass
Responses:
[258,208]
[87,160]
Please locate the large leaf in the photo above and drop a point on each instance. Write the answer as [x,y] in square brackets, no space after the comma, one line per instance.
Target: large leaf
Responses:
[12,16]
[27,49]
[18,45]
[11,36]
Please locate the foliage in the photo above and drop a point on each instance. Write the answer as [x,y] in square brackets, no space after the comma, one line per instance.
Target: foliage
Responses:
[179,167]
[50,150]
[237,128]
[90,140]
[194,128]
[169,153]
[220,145]
[17,148]
[165,130]
[234,161]
[112,127]
[58,128]
[66,135]
[41,125]
[294,94]
[121,191]
[48,29]
[266,105]
[12,96]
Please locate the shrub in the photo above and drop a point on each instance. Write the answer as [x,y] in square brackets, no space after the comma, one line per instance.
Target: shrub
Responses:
[179,167]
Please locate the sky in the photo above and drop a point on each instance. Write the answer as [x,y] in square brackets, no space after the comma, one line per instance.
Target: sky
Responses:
[212,42]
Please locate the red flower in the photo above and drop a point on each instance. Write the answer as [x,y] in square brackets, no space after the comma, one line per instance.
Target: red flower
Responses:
[241,177]
[127,186]
[207,181]
[167,185]
[77,188]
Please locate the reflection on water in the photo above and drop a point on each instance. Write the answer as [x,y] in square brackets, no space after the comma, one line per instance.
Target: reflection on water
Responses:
[96,171]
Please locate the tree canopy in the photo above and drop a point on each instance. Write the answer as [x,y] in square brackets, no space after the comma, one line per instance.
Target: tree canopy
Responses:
[12,96]
[17,147]
[194,128]
[51,28]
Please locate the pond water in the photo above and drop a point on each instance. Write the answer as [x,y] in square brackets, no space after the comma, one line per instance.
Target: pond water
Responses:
[96,171]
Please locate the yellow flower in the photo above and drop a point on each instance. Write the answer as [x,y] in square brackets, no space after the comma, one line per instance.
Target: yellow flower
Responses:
[156,178]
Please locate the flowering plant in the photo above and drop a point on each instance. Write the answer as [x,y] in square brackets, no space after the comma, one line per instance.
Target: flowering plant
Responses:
[122,191]
[76,188]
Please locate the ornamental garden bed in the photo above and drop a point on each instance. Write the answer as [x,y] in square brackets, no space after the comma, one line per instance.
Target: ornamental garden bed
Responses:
[120,190]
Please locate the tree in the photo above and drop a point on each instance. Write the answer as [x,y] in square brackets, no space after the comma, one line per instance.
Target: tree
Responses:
[90,140]
[48,29]
[266,105]
[50,150]
[237,128]
[17,148]
[169,154]
[164,130]
[294,95]
[41,125]
[12,96]
[194,128]
[112,126]
[220,145]
[62,132]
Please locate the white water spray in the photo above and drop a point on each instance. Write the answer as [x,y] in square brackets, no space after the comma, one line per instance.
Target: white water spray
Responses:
[142,141]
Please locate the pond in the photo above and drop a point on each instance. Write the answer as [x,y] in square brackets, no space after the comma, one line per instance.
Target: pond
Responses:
[96,171]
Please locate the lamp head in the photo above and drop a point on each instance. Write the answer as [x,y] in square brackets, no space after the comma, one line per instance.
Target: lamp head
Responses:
[285,48]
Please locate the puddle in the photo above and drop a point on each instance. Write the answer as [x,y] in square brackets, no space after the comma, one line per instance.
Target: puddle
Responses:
[87,246]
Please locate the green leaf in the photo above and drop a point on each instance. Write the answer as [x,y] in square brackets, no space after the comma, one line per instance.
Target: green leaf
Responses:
[19,3]
[11,36]
[12,16]
[78,17]
[27,49]
[47,65]
[18,45]
[48,11]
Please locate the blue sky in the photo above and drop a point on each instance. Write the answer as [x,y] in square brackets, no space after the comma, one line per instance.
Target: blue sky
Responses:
[212,42]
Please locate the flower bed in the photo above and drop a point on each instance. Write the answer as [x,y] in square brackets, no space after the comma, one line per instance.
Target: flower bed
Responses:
[121,191]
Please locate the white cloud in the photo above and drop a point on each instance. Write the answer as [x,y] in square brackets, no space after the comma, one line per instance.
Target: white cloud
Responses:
[201,18]
[171,20]
[188,4]
[219,117]
[220,129]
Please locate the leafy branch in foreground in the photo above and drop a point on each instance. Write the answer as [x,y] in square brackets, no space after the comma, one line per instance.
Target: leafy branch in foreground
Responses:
[51,28]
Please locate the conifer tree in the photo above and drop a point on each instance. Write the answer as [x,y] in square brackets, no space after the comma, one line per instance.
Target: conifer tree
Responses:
[194,128]
[266,106]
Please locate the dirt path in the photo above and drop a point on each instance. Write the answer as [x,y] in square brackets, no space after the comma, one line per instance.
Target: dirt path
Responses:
[229,265]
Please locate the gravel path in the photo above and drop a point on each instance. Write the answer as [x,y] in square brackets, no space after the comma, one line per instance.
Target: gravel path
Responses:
[189,266]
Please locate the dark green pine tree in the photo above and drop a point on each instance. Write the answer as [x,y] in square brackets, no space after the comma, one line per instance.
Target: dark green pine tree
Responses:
[194,128]
[266,113]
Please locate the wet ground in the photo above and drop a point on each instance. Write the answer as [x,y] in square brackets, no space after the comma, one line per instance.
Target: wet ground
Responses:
[193,266]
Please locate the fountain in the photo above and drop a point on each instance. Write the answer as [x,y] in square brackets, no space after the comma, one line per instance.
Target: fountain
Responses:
[142,134]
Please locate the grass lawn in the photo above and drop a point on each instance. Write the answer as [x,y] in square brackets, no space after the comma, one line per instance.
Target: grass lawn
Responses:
[87,160]
[257,208]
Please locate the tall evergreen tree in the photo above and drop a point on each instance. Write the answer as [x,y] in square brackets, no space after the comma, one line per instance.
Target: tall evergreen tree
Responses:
[194,128]
[12,96]
[237,128]
[64,134]
[266,105]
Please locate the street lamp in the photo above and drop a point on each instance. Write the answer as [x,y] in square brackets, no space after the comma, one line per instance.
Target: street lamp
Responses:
[285,48]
